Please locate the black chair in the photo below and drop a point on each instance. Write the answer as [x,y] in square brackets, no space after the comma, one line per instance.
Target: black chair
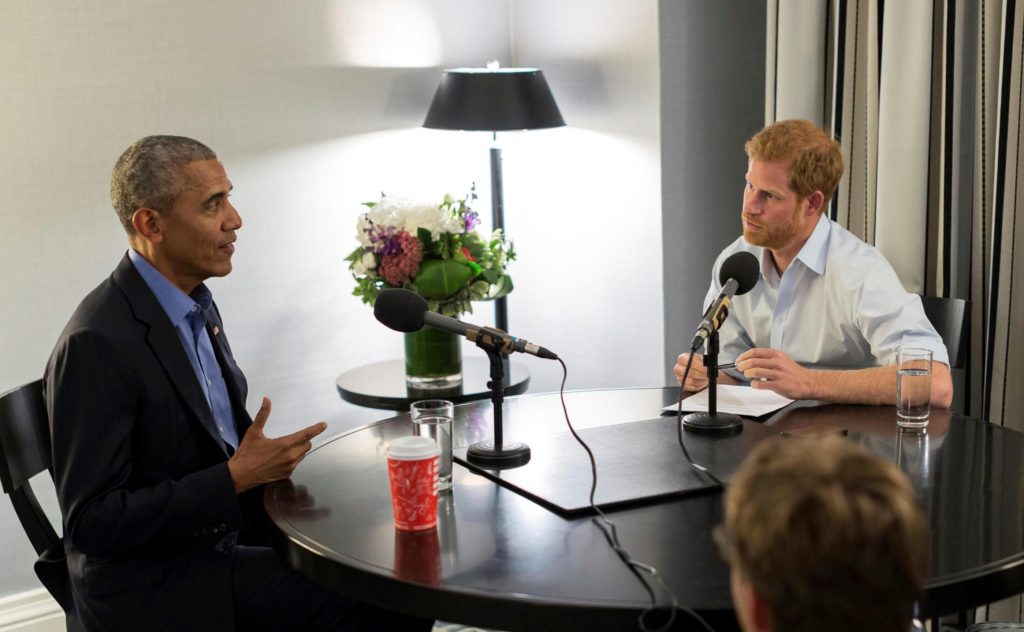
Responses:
[25,452]
[951,319]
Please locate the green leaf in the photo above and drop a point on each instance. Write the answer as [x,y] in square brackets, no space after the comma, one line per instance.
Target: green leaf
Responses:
[356,255]
[501,288]
[442,247]
[440,278]
[424,236]
[474,245]
[478,290]
[368,289]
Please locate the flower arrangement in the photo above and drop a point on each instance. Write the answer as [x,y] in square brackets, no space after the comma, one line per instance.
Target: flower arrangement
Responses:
[433,250]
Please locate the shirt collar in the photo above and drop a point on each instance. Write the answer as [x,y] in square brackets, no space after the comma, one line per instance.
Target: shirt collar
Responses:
[814,254]
[768,272]
[175,303]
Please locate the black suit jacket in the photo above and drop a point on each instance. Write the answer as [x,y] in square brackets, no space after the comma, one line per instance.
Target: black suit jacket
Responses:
[148,505]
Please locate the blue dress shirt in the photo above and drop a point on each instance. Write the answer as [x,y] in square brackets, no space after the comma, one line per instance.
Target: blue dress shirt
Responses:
[839,305]
[188,316]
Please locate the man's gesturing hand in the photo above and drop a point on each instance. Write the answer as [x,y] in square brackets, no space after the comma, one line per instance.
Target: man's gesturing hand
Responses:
[260,459]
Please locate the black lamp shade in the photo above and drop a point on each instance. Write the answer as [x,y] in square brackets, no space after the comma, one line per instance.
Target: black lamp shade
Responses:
[493,101]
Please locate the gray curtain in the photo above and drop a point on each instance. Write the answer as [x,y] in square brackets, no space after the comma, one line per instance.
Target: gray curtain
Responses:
[925,96]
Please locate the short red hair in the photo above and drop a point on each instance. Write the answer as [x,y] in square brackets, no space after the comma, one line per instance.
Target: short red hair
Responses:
[814,158]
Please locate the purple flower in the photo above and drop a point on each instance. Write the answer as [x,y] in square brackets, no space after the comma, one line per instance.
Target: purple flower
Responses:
[383,239]
[471,219]
[399,267]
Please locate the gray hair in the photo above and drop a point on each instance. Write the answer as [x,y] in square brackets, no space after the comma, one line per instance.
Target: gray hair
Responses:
[149,174]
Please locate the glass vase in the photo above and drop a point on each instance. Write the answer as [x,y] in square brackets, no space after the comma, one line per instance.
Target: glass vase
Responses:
[433,359]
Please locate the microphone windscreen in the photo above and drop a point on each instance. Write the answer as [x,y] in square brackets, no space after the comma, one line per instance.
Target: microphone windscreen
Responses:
[401,310]
[742,266]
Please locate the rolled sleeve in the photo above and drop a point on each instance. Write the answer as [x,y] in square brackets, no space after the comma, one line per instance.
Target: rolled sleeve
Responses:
[891,318]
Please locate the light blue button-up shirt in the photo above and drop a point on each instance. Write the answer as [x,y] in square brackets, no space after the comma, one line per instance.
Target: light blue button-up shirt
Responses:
[188,315]
[839,304]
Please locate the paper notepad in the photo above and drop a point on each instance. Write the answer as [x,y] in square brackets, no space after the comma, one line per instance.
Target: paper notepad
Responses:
[738,400]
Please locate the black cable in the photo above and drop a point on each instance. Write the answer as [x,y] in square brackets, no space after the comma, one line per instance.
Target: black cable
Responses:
[679,427]
[610,532]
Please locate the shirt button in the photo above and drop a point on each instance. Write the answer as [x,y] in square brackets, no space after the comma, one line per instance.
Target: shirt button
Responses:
[209,382]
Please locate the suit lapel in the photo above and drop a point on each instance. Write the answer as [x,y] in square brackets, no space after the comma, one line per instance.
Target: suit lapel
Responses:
[166,345]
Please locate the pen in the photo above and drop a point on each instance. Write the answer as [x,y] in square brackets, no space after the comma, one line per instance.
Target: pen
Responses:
[732,365]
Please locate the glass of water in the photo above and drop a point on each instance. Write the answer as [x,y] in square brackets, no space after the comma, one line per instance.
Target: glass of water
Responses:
[433,418]
[913,386]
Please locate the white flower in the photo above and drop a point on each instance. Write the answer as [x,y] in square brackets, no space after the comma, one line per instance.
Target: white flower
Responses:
[431,218]
[409,216]
[367,264]
[361,233]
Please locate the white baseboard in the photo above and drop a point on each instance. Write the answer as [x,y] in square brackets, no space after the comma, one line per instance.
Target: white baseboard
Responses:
[31,611]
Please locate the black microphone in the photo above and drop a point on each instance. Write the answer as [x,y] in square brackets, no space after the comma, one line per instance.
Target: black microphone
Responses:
[405,311]
[738,275]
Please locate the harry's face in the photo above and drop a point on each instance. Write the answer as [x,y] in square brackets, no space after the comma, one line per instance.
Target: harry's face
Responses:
[773,215]
[198,232]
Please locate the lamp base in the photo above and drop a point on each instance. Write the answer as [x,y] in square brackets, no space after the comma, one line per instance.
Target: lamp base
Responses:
[512,454]
[713,424]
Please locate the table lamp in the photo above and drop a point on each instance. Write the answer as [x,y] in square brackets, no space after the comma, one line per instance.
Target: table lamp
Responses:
[494,99]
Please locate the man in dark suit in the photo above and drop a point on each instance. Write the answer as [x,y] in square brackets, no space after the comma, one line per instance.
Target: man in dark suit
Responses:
[157,463]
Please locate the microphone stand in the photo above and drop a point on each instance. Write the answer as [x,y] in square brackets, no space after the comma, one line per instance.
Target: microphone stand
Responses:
[497,454]
[712,422]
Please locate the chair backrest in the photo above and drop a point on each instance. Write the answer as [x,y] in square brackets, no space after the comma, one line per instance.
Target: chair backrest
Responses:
[25,452]
[950,317]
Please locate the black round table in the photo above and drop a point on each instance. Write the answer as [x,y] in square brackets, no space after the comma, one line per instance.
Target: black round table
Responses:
[382,384]
[500,560]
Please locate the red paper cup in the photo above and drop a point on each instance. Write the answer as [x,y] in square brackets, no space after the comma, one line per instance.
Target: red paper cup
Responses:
[412,468]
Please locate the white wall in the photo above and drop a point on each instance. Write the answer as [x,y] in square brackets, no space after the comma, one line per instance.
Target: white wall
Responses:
[314,106]
[584,202]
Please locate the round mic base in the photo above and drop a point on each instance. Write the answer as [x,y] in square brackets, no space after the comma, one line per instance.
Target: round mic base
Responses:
[713,424]
[511,454]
